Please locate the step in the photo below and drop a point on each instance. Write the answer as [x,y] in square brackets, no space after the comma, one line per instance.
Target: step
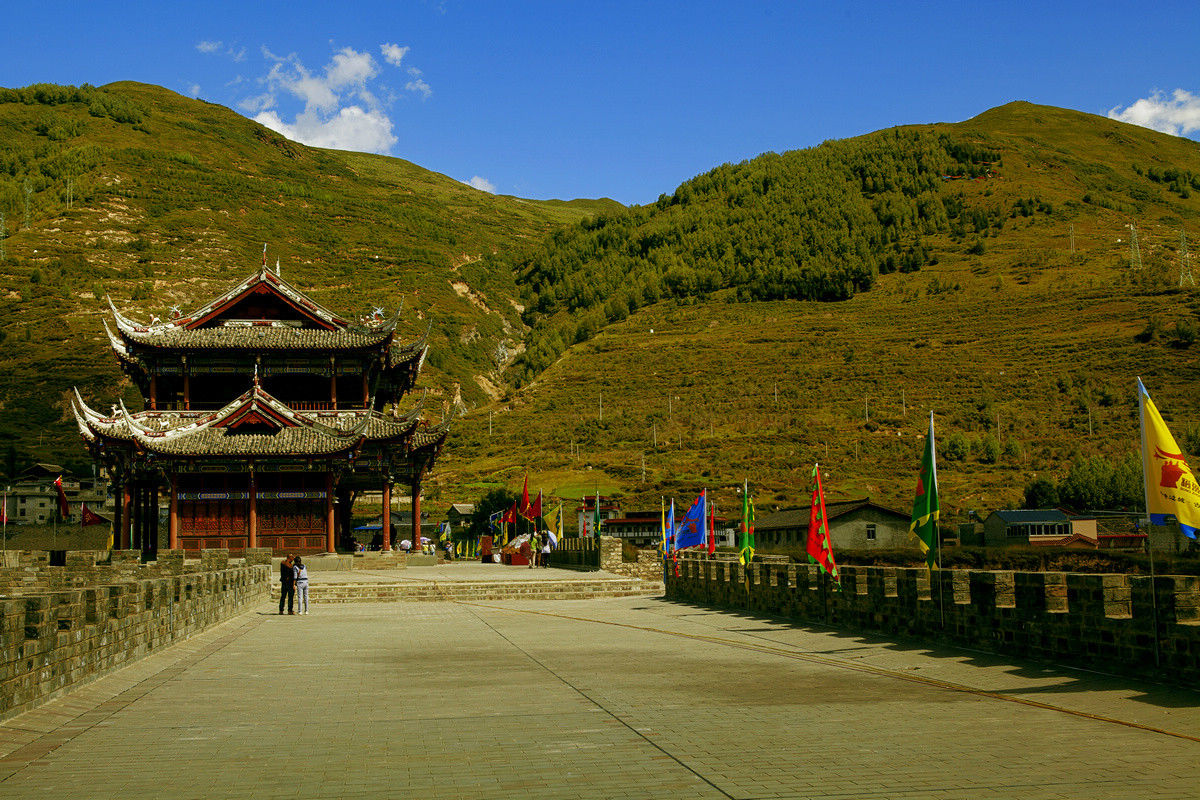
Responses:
[499,590]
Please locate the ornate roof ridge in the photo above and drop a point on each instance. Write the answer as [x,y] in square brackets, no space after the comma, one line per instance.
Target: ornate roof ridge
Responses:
[264,275]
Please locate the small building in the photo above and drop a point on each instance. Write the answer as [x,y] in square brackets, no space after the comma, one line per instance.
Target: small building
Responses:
[610,508]
[460,515]
[1043,527]
[853,525]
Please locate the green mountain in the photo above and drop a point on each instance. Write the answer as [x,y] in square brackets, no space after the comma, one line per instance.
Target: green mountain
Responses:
[981,270]
[156,200]
[807,306]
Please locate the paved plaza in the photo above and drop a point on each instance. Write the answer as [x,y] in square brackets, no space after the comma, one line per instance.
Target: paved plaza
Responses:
[605,698]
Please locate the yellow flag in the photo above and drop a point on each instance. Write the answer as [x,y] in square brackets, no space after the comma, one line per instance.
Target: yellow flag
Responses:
[1171,488]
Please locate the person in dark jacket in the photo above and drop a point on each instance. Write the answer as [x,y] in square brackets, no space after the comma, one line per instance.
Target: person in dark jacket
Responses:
[287,583]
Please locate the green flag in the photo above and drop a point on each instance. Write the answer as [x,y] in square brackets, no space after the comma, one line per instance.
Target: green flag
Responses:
[925,507]
[746,546]
[596,516]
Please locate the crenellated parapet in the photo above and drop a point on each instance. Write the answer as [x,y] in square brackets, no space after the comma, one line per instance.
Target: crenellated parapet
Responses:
[1105,622]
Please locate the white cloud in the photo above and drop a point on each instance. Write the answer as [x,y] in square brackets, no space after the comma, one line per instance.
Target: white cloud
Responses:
[352,128]
[418,84]
[1177,114]
[210,47]
[482,184]
[341,106]
[194,89]
[393,53]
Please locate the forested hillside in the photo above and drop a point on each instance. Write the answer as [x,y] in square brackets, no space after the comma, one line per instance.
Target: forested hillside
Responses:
[825,223]
[156,200]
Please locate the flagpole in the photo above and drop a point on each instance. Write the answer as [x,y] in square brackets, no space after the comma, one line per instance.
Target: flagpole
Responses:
[1149,524]
[937,534]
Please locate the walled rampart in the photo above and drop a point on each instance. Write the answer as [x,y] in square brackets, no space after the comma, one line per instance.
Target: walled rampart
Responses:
[61,626]
[1105,622]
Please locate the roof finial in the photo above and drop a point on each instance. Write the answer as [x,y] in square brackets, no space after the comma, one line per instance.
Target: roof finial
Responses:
[277,268]
[264,258]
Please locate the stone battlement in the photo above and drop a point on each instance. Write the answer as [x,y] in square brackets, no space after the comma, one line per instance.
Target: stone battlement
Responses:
[61,626]
[1098,621]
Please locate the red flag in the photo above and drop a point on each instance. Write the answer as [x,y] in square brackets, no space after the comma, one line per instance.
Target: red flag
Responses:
[535,509]
[89,517]
[820,547]
[63,507]
[4,510]
[712,528]
[523,508]
[510,516]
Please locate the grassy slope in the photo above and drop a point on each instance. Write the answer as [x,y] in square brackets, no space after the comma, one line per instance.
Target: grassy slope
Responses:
[175,208]
[1032,339]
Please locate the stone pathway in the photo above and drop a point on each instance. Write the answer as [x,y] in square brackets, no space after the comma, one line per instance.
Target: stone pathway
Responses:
[609,698]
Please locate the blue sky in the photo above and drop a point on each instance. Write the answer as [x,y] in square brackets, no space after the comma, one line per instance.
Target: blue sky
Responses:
[618,99]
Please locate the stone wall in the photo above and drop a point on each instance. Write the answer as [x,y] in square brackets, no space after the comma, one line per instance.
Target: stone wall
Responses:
[65,625]
[1105,622]
[648,567]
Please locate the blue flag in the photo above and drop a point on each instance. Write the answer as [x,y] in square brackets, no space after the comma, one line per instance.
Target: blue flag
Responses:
[671,527]
[693,530]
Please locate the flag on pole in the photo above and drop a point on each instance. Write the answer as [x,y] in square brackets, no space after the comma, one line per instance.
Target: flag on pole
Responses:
[596,520]
[692,529]
[535,509]
[64,509]
[662,524]
[89,517]
[1171,488]
[926,508]
[820,546]
[671,539]
[524,508]
[712,528]
[746,545]
[4,510]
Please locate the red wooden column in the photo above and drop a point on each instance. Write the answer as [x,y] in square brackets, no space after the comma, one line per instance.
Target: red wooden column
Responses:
[153,392]
[126,514]
[173,518]
[387,514]
[416,512]
[252,514]
[329,535]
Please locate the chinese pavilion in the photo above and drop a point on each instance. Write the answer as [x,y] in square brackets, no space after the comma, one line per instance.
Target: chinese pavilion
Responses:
[265,416]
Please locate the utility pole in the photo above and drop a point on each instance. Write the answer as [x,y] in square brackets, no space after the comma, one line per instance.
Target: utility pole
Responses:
[903,407]
[866,409]
[1072,238]
[28,198]
[1135,252]
[490,413]
[3,236]
[654,432]
[670,409]
[643,467]
[1185,261]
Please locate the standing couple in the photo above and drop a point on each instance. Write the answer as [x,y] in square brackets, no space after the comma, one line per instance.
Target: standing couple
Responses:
[293,583]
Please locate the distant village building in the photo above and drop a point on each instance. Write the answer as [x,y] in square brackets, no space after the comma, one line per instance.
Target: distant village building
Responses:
[33,498]
[610,508]
[460,515]
[853,525]
[265,416]
[1038,528]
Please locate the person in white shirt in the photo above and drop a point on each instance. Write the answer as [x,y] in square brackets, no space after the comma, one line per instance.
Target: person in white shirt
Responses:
[301,580]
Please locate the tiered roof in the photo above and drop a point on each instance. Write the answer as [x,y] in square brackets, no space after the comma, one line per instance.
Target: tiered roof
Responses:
[234,321]
[254,424]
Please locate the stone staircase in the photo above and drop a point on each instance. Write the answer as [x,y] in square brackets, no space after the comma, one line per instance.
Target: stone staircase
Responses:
[577,589]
